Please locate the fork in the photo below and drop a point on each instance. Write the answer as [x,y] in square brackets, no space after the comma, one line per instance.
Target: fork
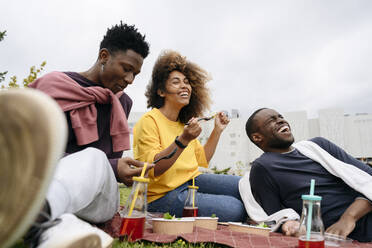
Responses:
[205,118]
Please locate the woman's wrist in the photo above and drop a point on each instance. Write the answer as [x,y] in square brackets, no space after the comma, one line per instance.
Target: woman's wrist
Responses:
[179,143]
[183,141]
[217,131]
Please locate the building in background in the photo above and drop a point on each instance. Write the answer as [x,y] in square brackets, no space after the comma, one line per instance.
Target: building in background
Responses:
[353,133]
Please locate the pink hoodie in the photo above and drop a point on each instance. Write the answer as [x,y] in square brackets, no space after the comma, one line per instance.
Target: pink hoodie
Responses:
[80,101]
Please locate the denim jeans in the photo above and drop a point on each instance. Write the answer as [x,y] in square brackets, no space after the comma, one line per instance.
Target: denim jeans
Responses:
[217,194]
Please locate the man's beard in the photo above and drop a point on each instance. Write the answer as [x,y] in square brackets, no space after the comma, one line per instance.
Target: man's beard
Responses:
[280,143]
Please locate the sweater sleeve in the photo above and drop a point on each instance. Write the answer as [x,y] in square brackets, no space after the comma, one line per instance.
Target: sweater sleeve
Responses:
[146,140]
[114,166]
[264,189]
[200,155]
[340,154]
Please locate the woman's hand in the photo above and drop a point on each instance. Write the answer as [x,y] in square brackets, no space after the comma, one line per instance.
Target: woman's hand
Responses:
[221,121]
[191,131]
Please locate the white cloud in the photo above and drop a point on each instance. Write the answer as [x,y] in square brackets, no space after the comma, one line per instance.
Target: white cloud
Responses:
[290,55]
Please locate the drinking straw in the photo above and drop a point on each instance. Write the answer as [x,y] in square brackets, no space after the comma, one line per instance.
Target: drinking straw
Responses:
[193,192]
[136,192]
[309,216]
[122,231]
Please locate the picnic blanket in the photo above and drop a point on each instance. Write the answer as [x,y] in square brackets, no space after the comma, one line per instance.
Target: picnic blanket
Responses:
[220,236]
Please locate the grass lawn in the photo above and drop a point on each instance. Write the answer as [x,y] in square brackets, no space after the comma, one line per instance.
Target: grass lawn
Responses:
[124,193]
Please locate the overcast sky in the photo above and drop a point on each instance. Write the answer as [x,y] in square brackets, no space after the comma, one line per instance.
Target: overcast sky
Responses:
[289,55]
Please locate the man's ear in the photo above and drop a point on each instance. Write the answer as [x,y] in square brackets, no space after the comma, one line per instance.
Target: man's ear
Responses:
[257,138]
[103,55]
[160,93]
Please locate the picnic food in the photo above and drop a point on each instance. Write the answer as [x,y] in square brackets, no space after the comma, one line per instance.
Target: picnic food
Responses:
[168,216]
[172,225]
[207,222]
[253,229]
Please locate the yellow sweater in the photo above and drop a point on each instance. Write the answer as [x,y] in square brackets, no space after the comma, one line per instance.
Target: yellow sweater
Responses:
[154,133]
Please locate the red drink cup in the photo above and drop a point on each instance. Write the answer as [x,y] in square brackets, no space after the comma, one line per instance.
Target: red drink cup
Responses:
[132,228]
[312,243]
[190,212]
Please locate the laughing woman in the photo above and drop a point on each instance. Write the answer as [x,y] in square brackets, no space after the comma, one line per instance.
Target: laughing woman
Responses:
[177,95]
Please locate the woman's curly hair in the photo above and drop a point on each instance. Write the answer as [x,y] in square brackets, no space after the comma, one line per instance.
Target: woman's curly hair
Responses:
[167,62]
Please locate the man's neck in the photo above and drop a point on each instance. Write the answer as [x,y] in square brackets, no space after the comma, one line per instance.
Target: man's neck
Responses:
[280,150]
[92,74]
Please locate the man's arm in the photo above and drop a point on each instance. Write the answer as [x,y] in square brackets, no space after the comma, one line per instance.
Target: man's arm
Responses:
[266,193]
[361,206]
[346,224]
[340,154]
[264,189]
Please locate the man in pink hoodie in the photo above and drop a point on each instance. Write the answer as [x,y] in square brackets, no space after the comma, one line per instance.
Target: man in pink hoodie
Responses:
[84,185]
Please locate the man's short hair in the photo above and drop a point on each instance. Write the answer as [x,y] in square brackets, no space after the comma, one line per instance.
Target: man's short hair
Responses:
[123,37]
[249,126]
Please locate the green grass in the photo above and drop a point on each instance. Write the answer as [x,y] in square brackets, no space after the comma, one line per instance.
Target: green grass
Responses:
[124,193]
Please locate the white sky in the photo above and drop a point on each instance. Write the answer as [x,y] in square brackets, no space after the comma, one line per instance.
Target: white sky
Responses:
[289,55]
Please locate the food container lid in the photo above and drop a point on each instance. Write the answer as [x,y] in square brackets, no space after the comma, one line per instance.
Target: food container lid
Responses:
[335,240]
[141,179]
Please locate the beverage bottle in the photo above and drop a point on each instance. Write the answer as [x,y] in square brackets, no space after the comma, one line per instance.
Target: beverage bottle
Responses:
[135,209]
[190,208]
[311,230]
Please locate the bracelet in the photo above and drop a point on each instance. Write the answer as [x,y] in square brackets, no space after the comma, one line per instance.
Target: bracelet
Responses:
[179,144]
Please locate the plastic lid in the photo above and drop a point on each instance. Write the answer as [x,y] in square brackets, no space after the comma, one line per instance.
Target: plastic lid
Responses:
[141,179]
[193,187]
[311,197]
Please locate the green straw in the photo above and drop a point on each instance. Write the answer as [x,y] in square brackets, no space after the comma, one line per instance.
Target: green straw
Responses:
[309,216]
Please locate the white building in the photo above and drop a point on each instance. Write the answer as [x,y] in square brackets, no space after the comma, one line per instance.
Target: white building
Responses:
[353,133]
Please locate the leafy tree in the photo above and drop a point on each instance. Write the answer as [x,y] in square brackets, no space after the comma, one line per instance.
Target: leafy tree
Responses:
[13,80]
[2,74]
[2,35]
[223,171]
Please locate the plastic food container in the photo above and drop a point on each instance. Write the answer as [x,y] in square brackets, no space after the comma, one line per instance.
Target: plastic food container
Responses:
[239,227]
[174,226]
[336,240]
[207,222]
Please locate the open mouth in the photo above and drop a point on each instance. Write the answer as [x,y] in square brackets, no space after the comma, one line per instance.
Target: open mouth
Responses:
[284,129]
[184,94]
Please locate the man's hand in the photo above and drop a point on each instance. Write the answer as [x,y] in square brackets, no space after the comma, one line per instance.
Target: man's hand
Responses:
[290,227]
[346,224]
[125,171]
[343,227]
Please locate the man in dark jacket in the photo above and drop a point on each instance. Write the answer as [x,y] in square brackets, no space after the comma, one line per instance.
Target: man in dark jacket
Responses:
[282,174]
